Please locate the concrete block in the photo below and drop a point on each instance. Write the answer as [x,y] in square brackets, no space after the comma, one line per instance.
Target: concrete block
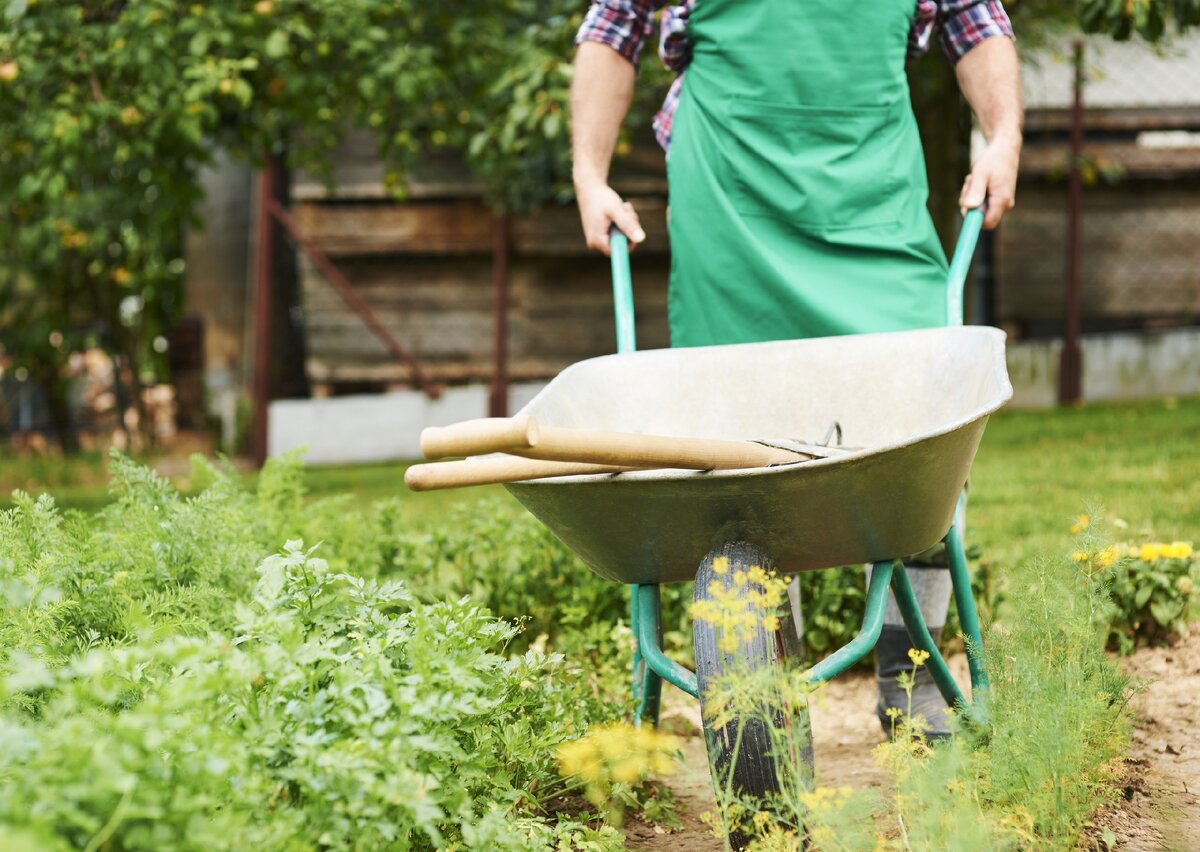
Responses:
[1116,366]
[375,427]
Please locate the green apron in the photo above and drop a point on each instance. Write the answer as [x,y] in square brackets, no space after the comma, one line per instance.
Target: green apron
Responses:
[797,180]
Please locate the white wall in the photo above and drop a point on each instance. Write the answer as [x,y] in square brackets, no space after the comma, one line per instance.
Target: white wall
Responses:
[375,427]
[1116,367]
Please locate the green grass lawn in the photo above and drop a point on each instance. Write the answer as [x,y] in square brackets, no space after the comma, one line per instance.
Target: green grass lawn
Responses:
[1034,473]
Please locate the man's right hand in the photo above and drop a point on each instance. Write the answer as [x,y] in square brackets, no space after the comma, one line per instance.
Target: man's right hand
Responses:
[600,208]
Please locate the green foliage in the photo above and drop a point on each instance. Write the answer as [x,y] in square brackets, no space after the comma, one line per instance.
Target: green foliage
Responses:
[1058,706]
[109,110]
[1151,585]
[504,559]
[834,603]
[157,690]
[1148,18]
[1118,19]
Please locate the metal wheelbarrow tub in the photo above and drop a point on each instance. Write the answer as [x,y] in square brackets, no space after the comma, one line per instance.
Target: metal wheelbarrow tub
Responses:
[916,402]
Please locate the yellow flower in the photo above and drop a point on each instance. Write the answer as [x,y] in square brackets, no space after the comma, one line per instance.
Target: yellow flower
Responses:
[823,796]
[1106,557]
[918,658]
[1177,550]
[1080,556]
[721,565]
[742,609]
[1149,552]
[628,771]
[616,754]
[1081,524]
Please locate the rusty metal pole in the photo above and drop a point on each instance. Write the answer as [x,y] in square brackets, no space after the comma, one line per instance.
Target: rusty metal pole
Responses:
[498,397]
[1070,370]
[264,278]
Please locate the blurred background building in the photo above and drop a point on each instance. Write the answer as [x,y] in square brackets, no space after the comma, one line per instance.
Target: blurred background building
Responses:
[488,308]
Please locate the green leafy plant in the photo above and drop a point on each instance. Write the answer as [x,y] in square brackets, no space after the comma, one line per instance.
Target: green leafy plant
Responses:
[1151,585]
[168,679]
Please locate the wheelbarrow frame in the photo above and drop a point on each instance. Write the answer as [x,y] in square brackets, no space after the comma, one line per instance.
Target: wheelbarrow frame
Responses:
[651,666]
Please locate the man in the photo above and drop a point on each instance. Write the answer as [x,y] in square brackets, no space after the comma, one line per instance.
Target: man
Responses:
[797,181]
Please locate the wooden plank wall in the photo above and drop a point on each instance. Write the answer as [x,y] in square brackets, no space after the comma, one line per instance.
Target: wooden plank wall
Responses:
[425,267]
[1141,252]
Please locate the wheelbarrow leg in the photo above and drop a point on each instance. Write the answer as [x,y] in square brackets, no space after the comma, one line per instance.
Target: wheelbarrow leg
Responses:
[647,684]
[861,645]
[964,602]
[918,634]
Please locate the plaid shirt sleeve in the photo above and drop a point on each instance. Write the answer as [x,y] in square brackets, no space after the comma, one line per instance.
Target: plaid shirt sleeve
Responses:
[623,25]
[966,23]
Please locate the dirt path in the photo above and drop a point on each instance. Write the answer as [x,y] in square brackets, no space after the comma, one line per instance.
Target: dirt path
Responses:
[1160,811]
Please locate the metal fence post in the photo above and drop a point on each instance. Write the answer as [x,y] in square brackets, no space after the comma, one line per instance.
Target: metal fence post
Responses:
[264,280]
[1070,368]
[498,397]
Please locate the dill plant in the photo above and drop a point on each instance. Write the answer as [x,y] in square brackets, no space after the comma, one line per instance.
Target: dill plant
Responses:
[1057,722]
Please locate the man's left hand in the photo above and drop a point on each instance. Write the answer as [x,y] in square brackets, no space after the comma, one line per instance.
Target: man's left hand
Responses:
[994,177]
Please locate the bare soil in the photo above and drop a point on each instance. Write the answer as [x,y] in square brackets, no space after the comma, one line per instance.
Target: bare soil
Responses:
[1160,804]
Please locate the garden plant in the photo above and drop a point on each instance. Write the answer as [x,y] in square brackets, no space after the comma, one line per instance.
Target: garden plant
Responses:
[178,670]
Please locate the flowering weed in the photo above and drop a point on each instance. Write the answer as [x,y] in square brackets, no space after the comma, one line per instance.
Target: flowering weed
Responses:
[617,754]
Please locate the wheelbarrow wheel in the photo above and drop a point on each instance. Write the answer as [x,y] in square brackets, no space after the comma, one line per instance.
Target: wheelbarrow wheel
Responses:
[757,733]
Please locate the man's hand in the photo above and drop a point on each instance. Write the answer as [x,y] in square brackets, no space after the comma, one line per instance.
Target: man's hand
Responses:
[600,208]
[994,177]
[990,79]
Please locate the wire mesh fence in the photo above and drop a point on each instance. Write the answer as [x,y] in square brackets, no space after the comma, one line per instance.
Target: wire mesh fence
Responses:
[1141,201]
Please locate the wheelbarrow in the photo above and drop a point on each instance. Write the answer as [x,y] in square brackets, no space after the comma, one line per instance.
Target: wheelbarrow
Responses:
[912,404]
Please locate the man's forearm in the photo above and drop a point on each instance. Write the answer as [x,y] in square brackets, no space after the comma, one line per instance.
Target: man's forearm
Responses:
[601,91]
[990,79]
[600,94]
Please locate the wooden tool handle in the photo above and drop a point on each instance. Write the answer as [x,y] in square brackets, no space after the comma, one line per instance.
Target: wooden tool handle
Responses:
[652,451]
[522,436]
[479,437]
[461,474]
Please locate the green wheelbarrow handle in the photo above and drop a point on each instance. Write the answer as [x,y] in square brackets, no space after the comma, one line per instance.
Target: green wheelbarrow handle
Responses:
[960,264]
[622,281]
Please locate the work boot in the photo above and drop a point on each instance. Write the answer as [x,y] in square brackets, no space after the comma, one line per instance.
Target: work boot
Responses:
[930,580]
[891,658]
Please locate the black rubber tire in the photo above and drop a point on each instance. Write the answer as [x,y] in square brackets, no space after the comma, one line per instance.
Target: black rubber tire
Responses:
[755,772]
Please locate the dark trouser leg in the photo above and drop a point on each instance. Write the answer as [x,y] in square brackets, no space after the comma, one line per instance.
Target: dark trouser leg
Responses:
[930,577]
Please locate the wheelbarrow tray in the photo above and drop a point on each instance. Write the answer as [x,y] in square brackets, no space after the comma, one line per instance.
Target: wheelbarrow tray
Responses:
[916,402]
